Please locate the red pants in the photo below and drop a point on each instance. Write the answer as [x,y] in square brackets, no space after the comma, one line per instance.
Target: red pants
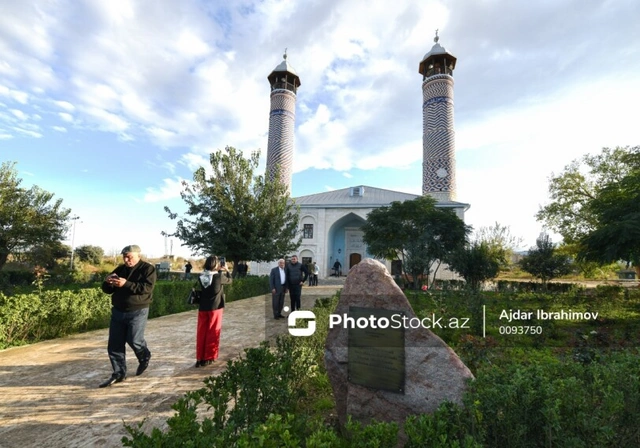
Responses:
[208,334]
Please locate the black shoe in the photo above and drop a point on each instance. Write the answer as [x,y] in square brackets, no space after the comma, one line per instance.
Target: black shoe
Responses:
[199,363]
[208,362]
[113,379]
[143,366]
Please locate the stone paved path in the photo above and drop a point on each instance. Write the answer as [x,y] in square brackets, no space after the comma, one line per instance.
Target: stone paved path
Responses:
[49,395]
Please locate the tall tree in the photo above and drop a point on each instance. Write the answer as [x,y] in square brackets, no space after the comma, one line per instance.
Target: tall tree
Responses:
[571,192]
[476,262]
[616,212]
[48,256]
[236,214]
[544,262]
[418,232]
[29,218]
[90,254]
[499,241]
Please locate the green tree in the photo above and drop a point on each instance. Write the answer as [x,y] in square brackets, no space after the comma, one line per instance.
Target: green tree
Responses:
[418,232]
[499,241]
[236,214]
[616,212]
[544,262]
[29,218]
[90,254]
[569,212]
[49,256]
[476,263]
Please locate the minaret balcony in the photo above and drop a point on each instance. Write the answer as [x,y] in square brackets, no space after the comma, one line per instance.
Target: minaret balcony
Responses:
[284,85]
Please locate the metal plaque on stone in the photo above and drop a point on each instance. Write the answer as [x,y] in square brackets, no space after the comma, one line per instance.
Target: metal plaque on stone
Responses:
[376,355]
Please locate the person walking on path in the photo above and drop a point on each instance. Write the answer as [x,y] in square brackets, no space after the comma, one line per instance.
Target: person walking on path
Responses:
[131,287]
[315,272]
[336,267]
[187,270]
[296,274]
[211,281]
[278,285]
[309,267]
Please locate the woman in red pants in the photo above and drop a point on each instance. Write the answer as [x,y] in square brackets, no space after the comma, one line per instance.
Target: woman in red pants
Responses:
[212,279]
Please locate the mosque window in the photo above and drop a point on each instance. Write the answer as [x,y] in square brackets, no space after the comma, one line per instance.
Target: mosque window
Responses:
[307,231]
[357,191]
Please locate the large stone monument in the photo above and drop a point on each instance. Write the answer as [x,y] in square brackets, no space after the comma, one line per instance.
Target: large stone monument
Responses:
[387,373]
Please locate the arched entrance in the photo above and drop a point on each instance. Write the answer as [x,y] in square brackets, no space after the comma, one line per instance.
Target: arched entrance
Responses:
[344,242]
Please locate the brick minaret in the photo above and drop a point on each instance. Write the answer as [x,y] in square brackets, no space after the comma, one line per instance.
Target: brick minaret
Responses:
[282,116]
[438,134]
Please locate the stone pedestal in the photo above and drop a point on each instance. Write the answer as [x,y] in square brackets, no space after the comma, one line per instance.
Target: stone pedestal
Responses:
[433,372]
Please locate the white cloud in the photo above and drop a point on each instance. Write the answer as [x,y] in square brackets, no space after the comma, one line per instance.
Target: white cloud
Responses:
[19,114]
[28,132]
[170,189]
[65,105]
[66,117]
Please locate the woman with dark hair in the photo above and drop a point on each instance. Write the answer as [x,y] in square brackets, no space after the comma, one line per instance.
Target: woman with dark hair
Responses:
[212,279]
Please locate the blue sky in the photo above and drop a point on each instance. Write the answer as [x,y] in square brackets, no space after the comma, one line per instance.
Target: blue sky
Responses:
[110,105]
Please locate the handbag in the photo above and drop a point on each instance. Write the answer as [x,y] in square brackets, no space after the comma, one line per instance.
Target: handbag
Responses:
[194,297]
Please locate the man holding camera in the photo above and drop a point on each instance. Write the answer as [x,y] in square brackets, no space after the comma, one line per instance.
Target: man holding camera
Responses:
[131,287]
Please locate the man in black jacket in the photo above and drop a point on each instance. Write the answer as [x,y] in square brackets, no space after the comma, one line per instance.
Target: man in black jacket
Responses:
[131,288]
[296,274]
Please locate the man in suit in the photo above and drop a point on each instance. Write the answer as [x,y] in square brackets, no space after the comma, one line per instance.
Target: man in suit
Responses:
[278,284]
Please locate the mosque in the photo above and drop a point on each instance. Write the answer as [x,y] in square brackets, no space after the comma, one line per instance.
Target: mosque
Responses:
[330,222]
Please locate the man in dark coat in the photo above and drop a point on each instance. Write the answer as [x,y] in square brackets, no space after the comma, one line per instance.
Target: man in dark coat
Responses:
[278,285]
[296,276]
[131,287]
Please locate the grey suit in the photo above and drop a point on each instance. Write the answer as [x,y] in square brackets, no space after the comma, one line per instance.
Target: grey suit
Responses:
[277,298]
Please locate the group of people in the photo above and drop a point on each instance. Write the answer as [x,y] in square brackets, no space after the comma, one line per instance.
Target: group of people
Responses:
[287,278]
[131,287]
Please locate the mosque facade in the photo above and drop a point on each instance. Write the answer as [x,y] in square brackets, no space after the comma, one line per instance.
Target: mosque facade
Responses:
[330,222]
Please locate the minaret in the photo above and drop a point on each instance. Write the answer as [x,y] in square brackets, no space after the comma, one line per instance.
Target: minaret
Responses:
[438,134]
[282,116]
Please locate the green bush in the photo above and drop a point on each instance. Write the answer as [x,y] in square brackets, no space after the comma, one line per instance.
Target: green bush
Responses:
[565,404]
[450,426]
[11,279]
[249,286]
[39,314]
[247,402]
[517,286]
[26,318]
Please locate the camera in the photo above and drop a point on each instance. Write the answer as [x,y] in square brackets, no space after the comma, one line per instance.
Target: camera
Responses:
[222,260]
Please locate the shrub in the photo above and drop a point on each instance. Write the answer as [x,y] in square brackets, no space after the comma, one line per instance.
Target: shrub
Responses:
[26,318]
[560,404]
[246,403]
[449,426]
[38,314]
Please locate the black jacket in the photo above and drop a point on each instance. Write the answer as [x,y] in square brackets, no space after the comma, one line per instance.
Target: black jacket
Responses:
[296,274]
[212,297]
[137,292]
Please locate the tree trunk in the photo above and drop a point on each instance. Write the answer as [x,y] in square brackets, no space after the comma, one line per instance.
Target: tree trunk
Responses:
[3,258]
